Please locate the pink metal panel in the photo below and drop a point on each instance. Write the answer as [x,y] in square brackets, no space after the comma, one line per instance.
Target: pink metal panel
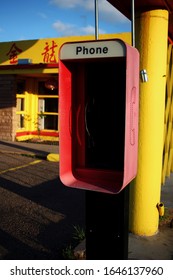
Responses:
[76,170]
[132,112]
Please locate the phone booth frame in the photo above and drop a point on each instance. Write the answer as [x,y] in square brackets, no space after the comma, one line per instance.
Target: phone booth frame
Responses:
[74,58]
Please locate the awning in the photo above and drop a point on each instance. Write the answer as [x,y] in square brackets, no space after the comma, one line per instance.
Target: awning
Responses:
[124,6]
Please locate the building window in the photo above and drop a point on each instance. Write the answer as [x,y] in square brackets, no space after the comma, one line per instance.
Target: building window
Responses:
[48,105]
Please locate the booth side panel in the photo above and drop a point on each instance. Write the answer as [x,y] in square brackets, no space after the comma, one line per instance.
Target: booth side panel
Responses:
[65,88]
[132,111]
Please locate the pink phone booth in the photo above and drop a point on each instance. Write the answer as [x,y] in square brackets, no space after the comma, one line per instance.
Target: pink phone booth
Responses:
[98,107]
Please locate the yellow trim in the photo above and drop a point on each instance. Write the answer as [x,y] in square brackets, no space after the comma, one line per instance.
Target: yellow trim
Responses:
[29,71]
[36,137]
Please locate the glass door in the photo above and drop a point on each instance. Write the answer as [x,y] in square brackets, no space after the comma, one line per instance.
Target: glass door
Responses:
[21,88]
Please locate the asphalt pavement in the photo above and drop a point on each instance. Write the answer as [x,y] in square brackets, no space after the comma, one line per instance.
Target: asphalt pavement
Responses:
[38,149]
[38,213]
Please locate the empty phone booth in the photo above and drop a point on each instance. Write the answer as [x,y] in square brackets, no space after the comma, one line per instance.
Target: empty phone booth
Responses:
[99,82]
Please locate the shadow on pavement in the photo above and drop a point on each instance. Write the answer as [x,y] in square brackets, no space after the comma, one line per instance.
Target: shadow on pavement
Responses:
[38,222]
[27,147]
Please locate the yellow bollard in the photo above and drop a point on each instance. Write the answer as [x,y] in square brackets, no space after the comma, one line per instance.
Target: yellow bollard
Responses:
[161,209]
[151,41]
[53,157]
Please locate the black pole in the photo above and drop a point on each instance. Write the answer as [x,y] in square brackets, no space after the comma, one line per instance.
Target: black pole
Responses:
[107,225]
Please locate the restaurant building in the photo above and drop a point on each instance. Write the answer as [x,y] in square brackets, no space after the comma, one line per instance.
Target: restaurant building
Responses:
[29,87]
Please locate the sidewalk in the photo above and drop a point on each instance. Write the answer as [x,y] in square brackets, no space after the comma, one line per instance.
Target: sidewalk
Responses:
[37,149]
[159,246]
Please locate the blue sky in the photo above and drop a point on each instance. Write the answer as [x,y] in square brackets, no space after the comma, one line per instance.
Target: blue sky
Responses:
[34,19]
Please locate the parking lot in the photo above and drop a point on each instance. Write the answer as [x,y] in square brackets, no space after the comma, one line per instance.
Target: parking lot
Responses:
[37,213]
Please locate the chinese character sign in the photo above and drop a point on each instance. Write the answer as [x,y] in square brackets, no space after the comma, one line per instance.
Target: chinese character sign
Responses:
[49,54]
[13,53]
[46,52]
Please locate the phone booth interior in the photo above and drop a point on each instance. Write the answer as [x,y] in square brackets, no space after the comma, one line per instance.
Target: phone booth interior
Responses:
[98,115]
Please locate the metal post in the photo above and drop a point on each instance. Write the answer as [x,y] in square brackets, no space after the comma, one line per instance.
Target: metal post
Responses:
[107,225]
[133,22]
[96,20]
[107,217]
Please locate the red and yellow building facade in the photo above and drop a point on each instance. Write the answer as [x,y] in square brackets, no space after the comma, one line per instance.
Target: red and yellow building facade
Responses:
[29,87]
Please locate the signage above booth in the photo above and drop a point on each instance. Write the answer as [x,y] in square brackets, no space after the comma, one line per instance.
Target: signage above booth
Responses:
[96,49]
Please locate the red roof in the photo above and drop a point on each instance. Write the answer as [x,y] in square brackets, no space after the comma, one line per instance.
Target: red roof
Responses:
[124,6]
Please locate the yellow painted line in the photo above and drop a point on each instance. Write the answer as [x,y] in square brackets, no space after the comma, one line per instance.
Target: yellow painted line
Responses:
[21,166]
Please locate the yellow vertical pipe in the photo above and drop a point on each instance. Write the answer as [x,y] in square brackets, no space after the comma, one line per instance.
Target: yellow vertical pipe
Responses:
[151,41]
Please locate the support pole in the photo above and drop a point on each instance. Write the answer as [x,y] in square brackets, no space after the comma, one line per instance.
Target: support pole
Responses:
[151,41]
[133,22]
[107,225]
[96,20]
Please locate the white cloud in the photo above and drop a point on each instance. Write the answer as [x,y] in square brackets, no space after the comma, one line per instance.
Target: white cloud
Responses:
[67,29]
[64,29]
[89,29]
[106,11]
[84,9]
